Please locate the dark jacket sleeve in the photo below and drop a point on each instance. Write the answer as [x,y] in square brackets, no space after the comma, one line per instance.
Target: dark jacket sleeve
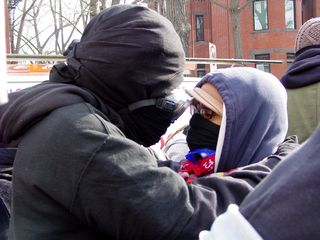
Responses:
[286,204]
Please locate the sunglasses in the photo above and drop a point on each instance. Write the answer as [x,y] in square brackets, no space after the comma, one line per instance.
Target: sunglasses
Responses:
[197,107]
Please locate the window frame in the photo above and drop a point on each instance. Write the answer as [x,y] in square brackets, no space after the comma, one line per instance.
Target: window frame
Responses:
[201,70]
[293,15]
[254,16]
[200,30]
[266,67]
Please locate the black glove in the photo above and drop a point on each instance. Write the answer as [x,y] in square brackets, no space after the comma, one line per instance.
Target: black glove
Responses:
[284,148]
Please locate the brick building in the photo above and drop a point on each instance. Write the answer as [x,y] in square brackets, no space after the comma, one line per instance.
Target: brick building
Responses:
[267,31]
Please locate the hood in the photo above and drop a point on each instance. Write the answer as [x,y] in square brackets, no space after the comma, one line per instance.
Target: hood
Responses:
[127,53]
[255,115]
[305,70]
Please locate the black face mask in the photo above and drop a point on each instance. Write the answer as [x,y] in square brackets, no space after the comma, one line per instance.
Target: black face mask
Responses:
[146,125]
[202,133]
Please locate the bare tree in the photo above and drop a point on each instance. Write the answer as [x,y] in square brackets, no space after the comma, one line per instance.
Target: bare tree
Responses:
[26,9]
[93,8]
[114,2]
[84,17]
[49,26]
[176,12]
[98,5]
[234,10]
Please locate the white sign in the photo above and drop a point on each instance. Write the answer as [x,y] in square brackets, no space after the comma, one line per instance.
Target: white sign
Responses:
[212,54]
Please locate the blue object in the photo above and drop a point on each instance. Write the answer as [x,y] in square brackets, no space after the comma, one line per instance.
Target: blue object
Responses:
[199,154]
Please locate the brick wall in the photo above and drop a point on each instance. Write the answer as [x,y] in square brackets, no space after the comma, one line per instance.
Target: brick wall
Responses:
[277,41]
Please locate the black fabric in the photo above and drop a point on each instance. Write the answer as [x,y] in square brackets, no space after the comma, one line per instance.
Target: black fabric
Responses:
[4,221]
[305,69]
[145,126]
[202,133]
[288,145]
[286,204]
[125,61]
[21,114]
[6,163]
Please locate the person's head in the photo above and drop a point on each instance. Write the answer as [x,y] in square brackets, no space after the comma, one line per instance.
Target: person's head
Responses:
[241,112]
[207,102]
[131,58]
[308,34]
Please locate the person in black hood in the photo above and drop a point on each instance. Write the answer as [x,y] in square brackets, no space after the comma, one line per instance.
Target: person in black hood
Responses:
[74,132]
[302,81]
[80,171]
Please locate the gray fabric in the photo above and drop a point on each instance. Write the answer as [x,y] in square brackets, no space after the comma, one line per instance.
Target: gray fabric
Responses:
[176,148]
[256,114]
[286,204]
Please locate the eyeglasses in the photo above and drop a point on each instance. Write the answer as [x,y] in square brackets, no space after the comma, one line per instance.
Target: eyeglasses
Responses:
[206,113]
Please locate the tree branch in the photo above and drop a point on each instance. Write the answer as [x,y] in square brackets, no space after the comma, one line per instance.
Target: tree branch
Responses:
[244,5]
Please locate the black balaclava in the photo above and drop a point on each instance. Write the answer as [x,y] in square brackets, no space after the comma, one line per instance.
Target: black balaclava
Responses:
[127,53]
[202,133]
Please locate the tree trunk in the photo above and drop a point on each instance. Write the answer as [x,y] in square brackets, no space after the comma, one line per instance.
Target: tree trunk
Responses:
[236,30]
[114,2]
[22,22]
[235,10]
[175,11]
[93,8]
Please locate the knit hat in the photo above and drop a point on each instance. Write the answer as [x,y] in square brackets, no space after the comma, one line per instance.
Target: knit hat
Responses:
[309,34]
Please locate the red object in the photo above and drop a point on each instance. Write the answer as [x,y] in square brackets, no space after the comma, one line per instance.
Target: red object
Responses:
[190,170]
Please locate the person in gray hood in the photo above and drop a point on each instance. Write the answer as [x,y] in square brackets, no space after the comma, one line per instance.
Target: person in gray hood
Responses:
[239,118]
[249,116]
[80,171]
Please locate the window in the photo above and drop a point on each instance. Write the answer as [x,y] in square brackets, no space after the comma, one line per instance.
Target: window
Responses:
[199,28]
[290,58]
[260,15]
[290,14]
[263,66]
[201,70]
